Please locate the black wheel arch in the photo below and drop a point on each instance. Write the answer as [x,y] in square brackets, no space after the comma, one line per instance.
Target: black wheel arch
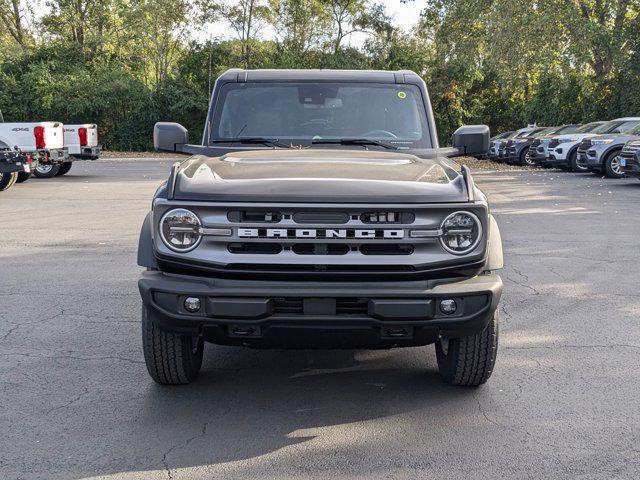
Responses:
[609,151]
[146,257]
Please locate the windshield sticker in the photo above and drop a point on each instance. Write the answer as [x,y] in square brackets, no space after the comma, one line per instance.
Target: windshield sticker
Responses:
[402,95]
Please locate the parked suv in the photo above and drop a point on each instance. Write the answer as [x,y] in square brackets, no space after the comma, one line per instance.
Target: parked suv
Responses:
[601,153]
[562,150]
[517,148]
[537,152]
[503,146]
[495,142]
[319,211]
[630,158]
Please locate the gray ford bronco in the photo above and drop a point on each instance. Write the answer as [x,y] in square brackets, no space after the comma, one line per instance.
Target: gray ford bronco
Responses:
[318,211]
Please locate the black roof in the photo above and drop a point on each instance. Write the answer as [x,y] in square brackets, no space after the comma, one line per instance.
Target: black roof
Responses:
[373,76]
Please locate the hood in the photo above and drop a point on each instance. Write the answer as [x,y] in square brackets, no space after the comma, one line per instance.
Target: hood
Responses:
[578,136]
[617,137]
[316,175]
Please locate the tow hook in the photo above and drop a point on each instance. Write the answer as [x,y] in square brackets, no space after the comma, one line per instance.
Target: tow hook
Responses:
[244,331]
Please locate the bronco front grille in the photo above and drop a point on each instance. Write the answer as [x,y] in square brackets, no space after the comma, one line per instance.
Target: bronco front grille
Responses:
[311,239]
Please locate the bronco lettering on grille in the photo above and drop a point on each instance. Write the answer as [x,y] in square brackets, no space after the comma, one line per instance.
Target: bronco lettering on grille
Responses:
[324,233]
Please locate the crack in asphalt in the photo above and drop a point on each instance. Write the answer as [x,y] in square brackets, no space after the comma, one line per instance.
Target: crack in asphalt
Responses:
[69,403]
[523,285]
[43,320]
[164,461]
[525,277]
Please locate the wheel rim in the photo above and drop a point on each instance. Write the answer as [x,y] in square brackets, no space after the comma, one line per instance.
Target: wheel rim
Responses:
[44,168]
[444,345]
[579,166]
[527,159]
[615,165]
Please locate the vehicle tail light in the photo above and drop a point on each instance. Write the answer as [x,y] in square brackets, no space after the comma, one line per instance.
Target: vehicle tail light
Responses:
[38,132]
[82,133]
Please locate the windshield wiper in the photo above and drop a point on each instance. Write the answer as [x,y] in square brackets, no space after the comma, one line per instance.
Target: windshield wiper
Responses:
[356,141]
[255,140]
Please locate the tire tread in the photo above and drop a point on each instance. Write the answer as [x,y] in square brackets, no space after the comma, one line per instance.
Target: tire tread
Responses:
[168,355]
[470,360]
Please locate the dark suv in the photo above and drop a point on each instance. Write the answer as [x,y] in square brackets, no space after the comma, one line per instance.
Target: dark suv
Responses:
[319,211]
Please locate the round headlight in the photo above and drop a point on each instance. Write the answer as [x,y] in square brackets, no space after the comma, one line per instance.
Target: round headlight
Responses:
[180,230]
[461,232]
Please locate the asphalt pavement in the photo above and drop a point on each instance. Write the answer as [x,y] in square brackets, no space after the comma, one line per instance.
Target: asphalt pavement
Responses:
[76,401]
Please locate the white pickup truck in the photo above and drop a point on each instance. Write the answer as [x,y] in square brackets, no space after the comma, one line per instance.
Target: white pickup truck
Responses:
[43,141]
[81,143]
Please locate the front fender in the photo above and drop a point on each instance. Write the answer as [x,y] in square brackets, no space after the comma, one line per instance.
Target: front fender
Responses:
[495,259]
[146,258]
[609,150]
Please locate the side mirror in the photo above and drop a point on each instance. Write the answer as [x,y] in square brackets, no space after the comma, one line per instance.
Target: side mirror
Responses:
[170,137]
[472,140]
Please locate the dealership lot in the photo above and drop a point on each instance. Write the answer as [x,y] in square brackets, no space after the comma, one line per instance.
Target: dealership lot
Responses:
[77,402]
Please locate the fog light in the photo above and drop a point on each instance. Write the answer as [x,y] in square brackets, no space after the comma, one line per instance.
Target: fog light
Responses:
[192,304]
[448,306]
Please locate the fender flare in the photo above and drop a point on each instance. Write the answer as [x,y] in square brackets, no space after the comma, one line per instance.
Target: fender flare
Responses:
[572,150]
[495,260]
[608,152]
[146,258]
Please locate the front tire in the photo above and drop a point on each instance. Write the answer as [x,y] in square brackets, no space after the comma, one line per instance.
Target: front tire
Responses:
[612,167]
[7,180]
[64,168]
[525,159]
[171,358]
[469,361]
[575,165]
[46,170]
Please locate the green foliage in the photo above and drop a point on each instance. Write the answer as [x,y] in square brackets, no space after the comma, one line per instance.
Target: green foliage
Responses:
[125,65]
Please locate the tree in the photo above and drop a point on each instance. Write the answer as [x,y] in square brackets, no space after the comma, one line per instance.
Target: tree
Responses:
[246,18]
[300,24]
[12,18]
[352,16]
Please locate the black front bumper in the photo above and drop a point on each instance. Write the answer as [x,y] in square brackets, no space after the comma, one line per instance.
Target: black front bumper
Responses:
[319,314]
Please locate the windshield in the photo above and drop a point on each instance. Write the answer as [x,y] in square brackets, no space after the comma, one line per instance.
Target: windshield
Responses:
[616,126]
[315,111]
[626,126]
[543,132]
[533,133]
[520,134]
[566,129]
[589,127]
